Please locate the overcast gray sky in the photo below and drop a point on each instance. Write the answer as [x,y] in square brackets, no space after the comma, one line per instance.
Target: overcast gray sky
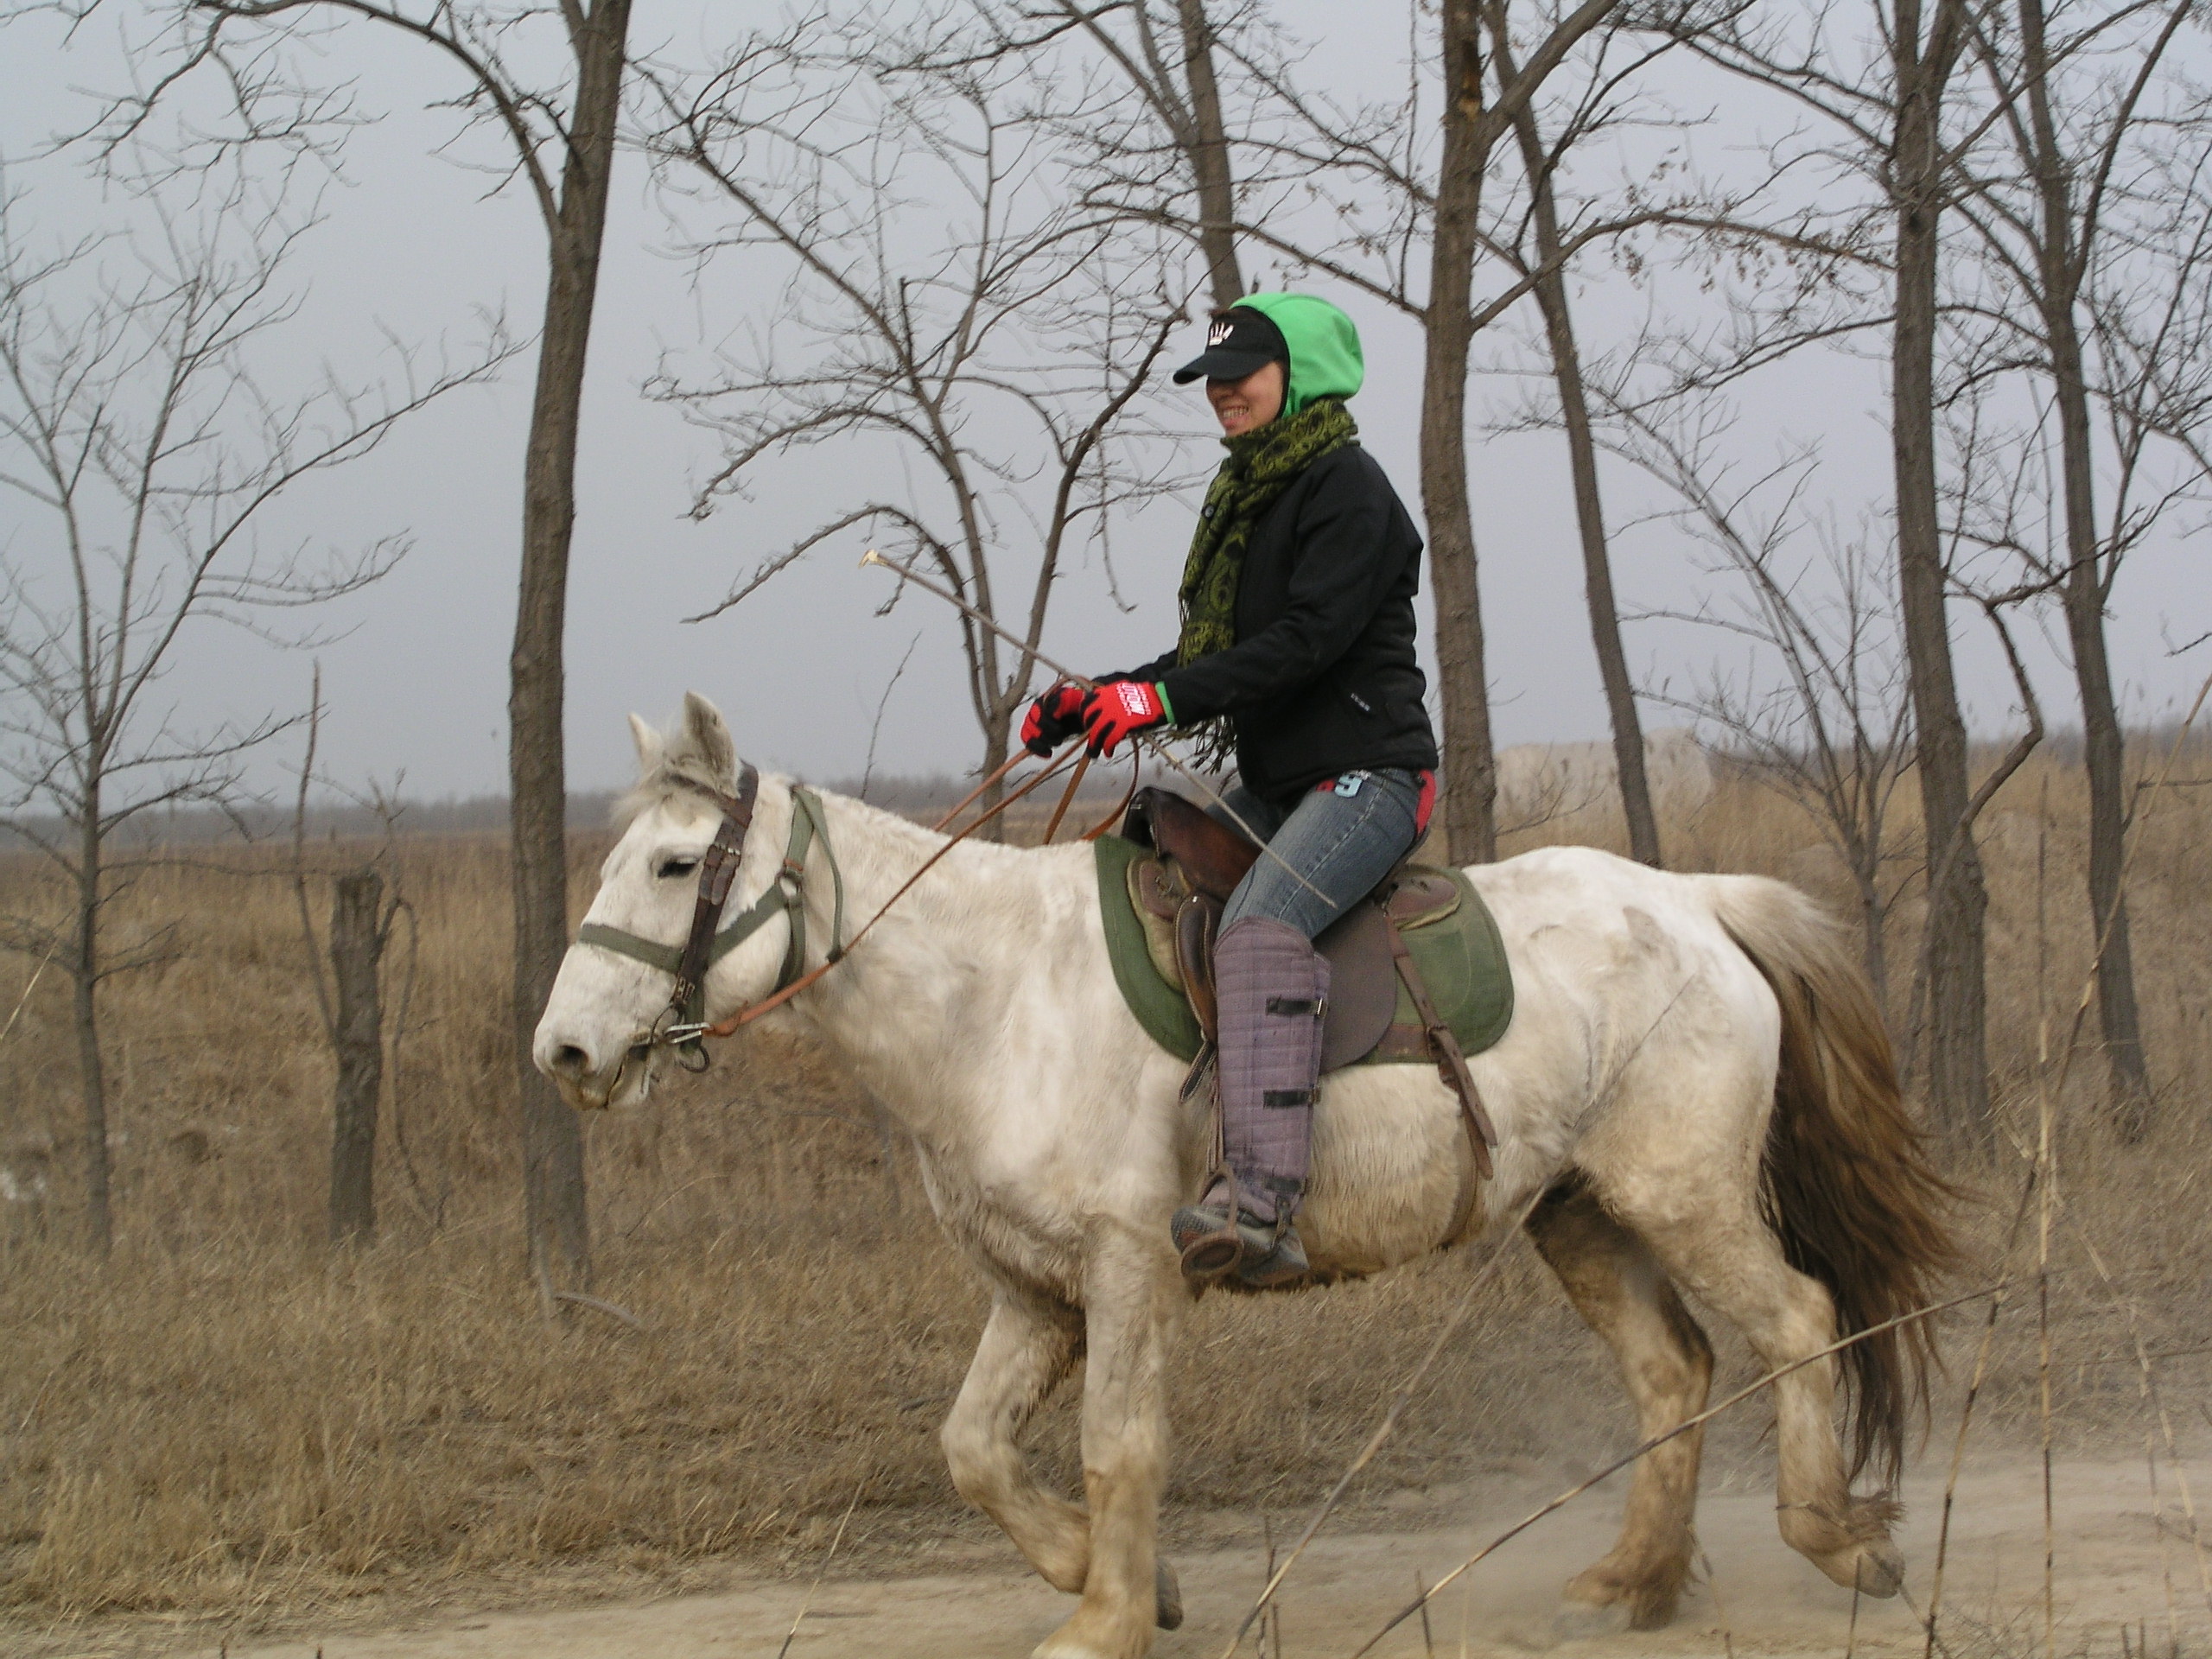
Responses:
[417,684]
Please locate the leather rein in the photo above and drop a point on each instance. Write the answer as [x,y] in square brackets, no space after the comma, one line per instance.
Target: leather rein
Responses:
[682,1024]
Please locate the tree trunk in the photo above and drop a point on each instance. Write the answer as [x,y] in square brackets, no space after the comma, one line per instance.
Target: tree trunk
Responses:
[1958,1078]
[1589,508]
[1470,760]
[2104,748]
[553,1166]
[1872,912]
[2104,758]
[356,951]
[1210,157]
[996,747]
[92,1076]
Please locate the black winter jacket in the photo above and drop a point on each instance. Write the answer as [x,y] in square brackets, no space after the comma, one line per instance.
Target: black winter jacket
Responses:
[1322,679]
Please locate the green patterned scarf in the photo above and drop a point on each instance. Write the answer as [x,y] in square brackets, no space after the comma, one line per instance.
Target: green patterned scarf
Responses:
[1262,465]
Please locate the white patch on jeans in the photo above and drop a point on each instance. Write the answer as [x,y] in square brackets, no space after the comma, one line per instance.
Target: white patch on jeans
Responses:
[1348,783]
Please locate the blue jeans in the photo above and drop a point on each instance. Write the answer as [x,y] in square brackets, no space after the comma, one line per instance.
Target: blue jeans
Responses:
[1340,839]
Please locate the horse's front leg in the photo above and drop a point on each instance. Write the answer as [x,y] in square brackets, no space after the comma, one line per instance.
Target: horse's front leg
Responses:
[1134,1298]
[1029,1344]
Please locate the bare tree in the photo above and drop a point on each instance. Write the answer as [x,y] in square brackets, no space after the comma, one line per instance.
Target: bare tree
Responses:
[147,452]
[1164,157]
[1544,266]
[1897,109]
[1923,55]
[1835,730]
[1202,136]
[2077,108]
[1179,93]
[559,126]
[1032,311]
[1819,712]
[1472,127]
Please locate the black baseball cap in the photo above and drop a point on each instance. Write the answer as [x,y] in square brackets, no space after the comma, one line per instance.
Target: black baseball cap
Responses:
[1239,341]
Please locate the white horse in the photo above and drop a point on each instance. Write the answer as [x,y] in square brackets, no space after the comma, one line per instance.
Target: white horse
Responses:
[1695,1092]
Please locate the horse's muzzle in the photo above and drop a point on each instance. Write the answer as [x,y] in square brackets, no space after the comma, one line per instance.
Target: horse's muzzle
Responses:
[586,1081]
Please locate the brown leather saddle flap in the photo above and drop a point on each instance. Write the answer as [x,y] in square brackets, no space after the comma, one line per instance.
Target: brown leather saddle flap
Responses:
[1213,856]
[1363,979]
[1200,856]
[1362,985]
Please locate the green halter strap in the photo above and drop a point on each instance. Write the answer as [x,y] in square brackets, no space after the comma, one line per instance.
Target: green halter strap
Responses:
[783,896]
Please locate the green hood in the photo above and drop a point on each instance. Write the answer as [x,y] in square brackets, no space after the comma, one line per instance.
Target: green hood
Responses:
[1325,355]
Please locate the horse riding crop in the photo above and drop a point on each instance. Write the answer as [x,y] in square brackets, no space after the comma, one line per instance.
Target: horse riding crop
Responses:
[1160,752]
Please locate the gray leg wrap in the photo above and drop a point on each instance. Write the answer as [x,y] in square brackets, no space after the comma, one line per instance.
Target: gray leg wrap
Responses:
[1273,987]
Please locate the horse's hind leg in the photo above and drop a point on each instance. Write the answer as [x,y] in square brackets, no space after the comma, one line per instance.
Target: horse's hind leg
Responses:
[1029,1345]
[1722,1251]
[1620,1289]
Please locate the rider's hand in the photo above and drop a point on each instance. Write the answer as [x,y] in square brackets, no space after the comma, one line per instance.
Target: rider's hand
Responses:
[1120,710]
[1052,719]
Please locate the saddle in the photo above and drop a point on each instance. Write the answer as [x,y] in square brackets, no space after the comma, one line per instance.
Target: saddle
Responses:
[1179,893]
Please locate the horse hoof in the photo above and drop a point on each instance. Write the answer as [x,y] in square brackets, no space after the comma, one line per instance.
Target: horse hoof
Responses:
[1644,1599]
[1081,1639]
[1873,1568]
[1168,1595]
[1880,1570]
[1584,1621]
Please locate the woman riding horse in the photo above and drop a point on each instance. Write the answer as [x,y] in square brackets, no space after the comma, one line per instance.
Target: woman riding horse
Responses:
[1297,604]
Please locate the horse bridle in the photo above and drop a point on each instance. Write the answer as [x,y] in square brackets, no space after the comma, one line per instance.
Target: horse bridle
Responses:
[683,1022]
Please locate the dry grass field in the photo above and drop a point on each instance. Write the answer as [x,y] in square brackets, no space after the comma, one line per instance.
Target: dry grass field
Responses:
[228,1422]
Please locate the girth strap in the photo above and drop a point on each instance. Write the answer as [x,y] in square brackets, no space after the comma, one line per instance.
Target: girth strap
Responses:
[1451,1066]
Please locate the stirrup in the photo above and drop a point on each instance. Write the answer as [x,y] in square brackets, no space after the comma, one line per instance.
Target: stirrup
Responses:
[1207,1239]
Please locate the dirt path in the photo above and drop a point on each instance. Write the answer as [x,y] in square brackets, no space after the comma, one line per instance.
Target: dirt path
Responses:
[2113,1562]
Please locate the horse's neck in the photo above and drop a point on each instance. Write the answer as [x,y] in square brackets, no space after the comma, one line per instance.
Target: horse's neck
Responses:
[895,1009]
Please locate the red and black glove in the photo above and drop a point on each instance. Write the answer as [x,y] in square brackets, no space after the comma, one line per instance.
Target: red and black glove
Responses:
[1119,710]
[1052,719]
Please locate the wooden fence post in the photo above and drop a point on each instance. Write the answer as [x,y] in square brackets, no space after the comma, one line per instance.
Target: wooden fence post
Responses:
[356,939]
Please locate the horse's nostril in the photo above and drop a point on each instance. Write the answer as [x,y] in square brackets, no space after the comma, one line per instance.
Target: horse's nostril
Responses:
[571,1061]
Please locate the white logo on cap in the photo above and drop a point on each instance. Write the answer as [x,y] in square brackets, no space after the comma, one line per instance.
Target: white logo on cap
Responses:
[1220,331]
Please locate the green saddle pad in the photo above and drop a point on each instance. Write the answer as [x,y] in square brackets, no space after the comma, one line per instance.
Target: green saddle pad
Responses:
[1461,958]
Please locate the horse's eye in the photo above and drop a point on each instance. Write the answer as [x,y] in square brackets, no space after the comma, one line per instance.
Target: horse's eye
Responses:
[672,867]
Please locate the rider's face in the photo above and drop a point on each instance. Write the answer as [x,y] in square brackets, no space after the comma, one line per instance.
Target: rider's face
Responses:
[1241,405]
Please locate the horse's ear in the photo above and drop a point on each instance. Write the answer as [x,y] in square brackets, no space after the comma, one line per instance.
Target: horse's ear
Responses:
[710,739]
[650,751]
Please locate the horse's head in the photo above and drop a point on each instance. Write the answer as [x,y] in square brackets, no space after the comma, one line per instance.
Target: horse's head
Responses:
[604,1038]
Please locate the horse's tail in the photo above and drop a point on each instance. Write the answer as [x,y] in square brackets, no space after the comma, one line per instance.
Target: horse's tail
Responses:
[1846,1180]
